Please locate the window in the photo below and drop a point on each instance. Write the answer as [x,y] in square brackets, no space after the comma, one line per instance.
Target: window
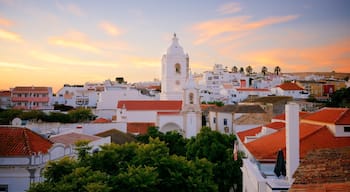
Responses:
[178,68]
[225,121]
[346,129]
[214,120]
[191,98]
[4,188]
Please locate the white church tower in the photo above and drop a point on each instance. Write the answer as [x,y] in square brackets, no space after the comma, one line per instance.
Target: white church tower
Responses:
[191,109]
[175,64]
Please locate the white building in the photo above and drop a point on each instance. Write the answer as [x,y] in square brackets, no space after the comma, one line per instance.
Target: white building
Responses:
[210,82]
[295,134]
[178,108]
[291,90]
[230,94]
[77,96]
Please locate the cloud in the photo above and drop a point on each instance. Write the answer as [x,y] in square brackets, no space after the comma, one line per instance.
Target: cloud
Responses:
[71,8]
[11,36]
[333,56]
[19,66]
[53,58]
[229,8]
[142,62]
[211,29]
[110,28]
[75,39]
[5,22]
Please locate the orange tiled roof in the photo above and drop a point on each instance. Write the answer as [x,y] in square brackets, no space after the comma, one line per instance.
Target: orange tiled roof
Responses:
[72,138]
[249,132]
[150,105]
[311,137]
[30,89]
[5,94]
[338,116]
[139,128]
[227,86]
[282,116]
[290,86]
[323,170]
[102,120]
[276,125]
[17,141]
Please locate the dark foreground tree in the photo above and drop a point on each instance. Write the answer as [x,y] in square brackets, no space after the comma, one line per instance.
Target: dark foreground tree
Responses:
[128,167]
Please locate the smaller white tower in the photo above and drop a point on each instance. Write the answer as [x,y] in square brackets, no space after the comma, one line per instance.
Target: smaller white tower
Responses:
[191,108]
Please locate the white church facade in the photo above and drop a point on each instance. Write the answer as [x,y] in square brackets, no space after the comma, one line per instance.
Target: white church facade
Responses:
[179,106]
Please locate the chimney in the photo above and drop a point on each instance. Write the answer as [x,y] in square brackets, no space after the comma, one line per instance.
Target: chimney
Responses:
[292,139]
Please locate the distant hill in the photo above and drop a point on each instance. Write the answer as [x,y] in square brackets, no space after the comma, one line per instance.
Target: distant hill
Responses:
[335,75]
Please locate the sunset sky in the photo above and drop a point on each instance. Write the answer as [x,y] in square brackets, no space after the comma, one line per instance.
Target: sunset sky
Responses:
[50,43]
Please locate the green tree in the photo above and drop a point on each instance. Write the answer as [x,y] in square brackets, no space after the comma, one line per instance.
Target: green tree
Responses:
[264,70]
[277,70]
[217,148]
[7,116]
[80,115]
[340,98]
[249,70]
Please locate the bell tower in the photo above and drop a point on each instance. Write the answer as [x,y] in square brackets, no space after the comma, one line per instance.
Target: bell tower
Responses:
[191,110]
[175,65]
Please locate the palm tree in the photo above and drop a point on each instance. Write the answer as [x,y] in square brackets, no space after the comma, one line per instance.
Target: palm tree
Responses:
[249,70]
[264,70]
[277,70]
[241,70]
[234,69]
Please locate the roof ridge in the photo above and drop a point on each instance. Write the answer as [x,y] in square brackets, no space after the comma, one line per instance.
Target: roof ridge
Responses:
[341,116]
[26,141]
[313,132]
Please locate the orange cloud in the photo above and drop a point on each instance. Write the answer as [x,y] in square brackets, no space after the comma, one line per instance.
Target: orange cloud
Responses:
[142,62]
[334,56]
[5,22]
[110,28]
[7,35]
[75,39]
[215,28]
[229,8]
[19,66]
[53,58]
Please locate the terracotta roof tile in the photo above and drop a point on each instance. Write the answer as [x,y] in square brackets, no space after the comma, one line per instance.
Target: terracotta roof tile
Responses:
[30,89]
[102,120]
[72,138]
[282,116]
[139,128]
[324,169]
[239,109]
[5,94]
[311,137]
[150,105]
[17,141]
[338,116]
[276,125]
[290,86]
[250,132]
[117,136]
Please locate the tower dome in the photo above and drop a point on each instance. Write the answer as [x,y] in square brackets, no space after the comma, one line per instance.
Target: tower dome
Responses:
[175,48]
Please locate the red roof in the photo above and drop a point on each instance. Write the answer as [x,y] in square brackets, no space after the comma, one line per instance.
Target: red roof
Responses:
[338,116]
[138,105]
[249,132]
[276,125]
[311,137]
[30,89]
[283,115]
[288,86]
[102,120]
[139,128]
[17,141]
[5,94]
[72,138]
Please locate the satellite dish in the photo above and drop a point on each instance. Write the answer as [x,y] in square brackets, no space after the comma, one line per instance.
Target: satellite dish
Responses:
[16,121]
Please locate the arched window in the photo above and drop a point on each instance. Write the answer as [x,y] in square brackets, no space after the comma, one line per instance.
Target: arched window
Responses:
[191,98]
[178,68]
